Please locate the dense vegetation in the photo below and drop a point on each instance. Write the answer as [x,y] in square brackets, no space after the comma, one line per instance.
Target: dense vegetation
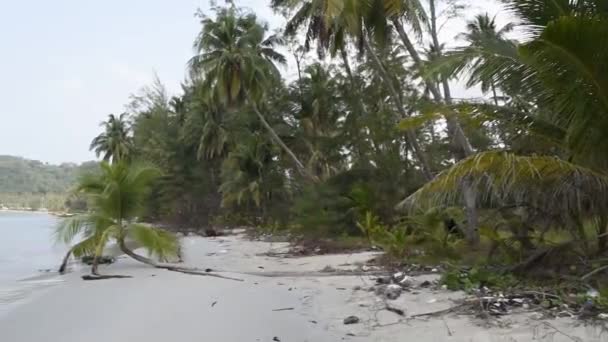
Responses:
[337,150]
[32,184]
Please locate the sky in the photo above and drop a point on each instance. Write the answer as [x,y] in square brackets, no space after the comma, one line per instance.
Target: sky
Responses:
[66,64]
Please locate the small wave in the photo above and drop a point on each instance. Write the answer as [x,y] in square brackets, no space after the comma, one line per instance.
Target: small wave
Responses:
[11,294]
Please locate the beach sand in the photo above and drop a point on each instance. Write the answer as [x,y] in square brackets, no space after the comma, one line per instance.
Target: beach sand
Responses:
[280,299]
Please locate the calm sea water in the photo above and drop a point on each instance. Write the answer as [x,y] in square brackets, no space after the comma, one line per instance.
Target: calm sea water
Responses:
[27,249]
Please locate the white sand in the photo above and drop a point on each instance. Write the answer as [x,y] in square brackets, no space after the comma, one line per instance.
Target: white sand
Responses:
[157,305]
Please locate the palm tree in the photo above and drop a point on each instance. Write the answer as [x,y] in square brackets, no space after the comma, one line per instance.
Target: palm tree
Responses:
[330,22]
[562,73]
[116,201]
[487,56]
[114,143]
[564,194]
[237,60]
[319,117]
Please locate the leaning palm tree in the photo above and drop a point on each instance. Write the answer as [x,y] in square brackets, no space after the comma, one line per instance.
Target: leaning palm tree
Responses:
[236,59]
[116,198]
[114,143]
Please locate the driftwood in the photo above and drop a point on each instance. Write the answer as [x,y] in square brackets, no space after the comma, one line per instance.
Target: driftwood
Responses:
[439,312]
[103,277]
[395,310]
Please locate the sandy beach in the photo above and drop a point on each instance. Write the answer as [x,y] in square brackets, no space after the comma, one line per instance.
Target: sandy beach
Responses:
[280,299]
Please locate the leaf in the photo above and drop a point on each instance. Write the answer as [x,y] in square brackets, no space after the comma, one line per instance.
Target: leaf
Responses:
[554,187]
[415,122]
[157,242]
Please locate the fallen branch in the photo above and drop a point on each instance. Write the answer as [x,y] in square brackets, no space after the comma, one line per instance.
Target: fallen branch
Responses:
[314,274]
[572,338]
[447,327]
[284,309]
[195,271]
[102,277]
[395,310]
[439,312]
[594,272]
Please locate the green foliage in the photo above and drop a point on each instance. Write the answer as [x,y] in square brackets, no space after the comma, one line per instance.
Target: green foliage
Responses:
[369,226]
[19,175]
[549,184]
[396,242]
[330,152]
[116,195]
[114,143]
[476,278]
[32,184]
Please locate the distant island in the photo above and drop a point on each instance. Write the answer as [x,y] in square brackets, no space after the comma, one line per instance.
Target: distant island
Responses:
[33,185]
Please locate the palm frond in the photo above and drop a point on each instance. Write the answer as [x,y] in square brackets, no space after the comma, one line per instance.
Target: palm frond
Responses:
[568,74]
[159,243]
[68,229]
[503,179]
[85,247]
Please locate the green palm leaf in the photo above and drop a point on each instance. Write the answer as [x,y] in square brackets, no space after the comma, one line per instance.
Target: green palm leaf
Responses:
[157,242]
[502,179]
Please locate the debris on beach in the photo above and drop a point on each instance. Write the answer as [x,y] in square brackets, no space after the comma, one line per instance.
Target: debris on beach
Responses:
[392,291]
[102,260]
[351,320]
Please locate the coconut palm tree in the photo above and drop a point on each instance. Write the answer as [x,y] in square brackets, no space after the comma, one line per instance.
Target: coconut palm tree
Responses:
[116,200]
[330,22]
[562,73]
[564,194]
[114,143]
[238,60]
[487,53]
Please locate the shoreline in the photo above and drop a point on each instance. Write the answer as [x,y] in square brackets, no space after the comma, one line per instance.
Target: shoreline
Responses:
[27,211]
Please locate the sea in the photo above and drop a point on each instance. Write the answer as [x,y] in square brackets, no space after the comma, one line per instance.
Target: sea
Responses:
[29,256]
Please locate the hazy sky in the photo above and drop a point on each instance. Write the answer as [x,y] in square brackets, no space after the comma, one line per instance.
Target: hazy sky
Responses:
[66,64]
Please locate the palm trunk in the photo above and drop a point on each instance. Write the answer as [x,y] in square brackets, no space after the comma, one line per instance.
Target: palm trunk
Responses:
[602,240]
[169,267]
[411,134]
[95,265]
[494,94]
[472,230]
[349,71]
[299,165]
[455,131]
[64,263]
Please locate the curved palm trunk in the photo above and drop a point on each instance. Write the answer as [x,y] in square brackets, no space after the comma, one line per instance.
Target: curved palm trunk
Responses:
[64,263]
[411,134]
[169,267]
[299,165]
